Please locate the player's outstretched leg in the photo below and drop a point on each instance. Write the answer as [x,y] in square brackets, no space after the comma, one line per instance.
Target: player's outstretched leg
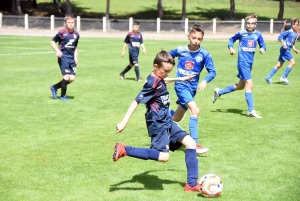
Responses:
[119,151]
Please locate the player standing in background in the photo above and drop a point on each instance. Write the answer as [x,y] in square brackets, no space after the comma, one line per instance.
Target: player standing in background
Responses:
[67,53]
[134,40]
[191,61]
[165,134]
[248,40]
[288,39]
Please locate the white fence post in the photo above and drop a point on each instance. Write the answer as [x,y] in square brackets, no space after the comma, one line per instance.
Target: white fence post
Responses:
[26,21]
[104,24]
[130,23]
[186,26]
[243,24]
[214,25]
[52,22]
[0,20]
[78,23]
[158,25]
[271,26]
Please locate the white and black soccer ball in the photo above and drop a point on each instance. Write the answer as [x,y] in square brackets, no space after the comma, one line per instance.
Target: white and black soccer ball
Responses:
[211,185]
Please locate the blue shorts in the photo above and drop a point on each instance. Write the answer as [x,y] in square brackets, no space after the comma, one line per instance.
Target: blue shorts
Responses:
[244,69]
[67,67]
[184,96]
[285,55]
[169,137]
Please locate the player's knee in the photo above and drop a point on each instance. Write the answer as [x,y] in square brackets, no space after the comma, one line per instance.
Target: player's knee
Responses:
[189,142]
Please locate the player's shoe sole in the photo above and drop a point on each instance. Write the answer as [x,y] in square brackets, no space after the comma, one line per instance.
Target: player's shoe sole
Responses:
[216,95]
[53,92]
[119,151]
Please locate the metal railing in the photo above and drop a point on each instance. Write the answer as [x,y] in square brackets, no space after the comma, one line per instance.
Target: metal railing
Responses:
[155,25]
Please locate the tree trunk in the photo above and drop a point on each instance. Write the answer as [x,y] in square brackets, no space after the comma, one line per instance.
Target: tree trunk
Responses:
[281,10]
[34,4]
[60,7]
[69,7]
[231,11]
[13,7]
[107,14]
[18,7]
[160,9]
[183,12]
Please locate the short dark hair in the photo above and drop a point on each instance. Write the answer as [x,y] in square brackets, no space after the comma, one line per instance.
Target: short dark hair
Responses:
[163,56]
[197,28]
[136,23]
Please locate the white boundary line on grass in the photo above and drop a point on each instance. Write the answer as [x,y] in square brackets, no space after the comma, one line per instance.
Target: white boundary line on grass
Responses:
[28,53]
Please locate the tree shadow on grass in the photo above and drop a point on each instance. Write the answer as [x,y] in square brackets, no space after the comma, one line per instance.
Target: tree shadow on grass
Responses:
[234,111]
[150,182]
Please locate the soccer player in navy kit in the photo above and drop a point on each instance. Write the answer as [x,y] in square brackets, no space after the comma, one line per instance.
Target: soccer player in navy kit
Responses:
[248,40]
[134,39]
[288,39]
[67,53]
[165,134]
[191,61]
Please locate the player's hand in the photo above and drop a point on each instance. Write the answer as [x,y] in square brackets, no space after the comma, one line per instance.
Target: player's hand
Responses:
[297,51]
[122,54]
[232,51]
[202,86]
[284,47]
[144,51]
[262,51]
[59,54]
[120,127]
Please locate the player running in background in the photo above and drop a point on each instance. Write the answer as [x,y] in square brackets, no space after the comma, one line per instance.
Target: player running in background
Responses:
[288,39]
[134,40]
[67,53]
[165,134]
[248,40]
[191,61]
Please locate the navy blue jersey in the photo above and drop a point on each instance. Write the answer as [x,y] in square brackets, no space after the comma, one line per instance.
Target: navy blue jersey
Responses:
[134,40]
[192,63]
[247,44]
[67,43]
[156,98]
[289,37]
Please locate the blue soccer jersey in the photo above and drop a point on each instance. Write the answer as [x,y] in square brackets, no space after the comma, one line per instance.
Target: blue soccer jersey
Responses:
[67,43]
[289,37]
[156,98]
[247,44]
[192,63]
[134,40]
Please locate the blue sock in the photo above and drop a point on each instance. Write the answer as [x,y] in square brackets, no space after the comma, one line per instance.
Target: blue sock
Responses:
[286,72]
[191,162]
[226,90]
[273,71]
[249,99]
[142,153]
[193,125]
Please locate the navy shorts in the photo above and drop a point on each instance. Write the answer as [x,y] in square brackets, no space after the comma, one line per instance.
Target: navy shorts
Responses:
[67,67]
[168,139]
[133,59]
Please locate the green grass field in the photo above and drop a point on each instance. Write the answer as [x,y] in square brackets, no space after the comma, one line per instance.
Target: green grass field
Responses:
[52,150]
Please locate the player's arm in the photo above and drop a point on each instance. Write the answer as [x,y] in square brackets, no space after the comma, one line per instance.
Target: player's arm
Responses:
[76,55]
[121,126]
[295,50]
[210,67]
[283,26]
[123,49]
[54,47]
[144,48]
[182,79]
[231,41]
[281,38]
[262,44]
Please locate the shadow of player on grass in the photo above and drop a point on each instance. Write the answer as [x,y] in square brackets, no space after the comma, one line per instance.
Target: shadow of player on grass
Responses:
[150,182]
[234,111]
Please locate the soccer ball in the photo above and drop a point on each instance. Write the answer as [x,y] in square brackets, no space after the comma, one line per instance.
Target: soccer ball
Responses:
[210,185]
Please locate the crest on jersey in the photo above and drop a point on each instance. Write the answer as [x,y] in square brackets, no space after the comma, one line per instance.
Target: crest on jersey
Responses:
[141,97]
[250,43]
[199,59]
[75,36]
[189,65]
